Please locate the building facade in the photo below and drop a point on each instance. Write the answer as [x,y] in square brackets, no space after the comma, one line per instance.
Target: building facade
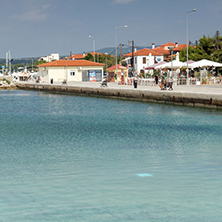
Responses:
[71,70]
[49,58]
[144,58]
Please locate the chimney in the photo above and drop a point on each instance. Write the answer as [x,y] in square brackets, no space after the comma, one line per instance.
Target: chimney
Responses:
[153,45]
[135,49]
[84,54]
[176,44]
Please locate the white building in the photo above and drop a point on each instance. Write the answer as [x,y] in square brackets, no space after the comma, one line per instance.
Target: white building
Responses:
[144,58]
[49,58]
[71,70]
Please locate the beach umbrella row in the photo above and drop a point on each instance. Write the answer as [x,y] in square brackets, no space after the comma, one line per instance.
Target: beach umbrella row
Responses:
[175,64]
[205,63]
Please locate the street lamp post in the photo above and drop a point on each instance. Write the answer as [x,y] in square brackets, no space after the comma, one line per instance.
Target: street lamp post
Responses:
[66,70]
[171,50]
[106,59]
[125,26]
[187,45]
[94,45]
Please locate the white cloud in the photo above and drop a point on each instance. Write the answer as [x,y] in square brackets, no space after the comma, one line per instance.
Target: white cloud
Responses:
[34,15]
[123,1]
[46,6]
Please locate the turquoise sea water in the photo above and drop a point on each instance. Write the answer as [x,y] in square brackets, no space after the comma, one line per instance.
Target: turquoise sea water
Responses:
[67,158]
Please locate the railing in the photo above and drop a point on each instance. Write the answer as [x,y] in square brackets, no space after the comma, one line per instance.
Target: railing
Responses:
[178,81]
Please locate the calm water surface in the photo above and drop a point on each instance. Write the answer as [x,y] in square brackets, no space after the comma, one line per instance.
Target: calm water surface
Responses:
[67,158]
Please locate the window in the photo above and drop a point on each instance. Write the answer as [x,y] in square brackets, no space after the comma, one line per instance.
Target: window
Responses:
[95,75]
[72,73]
[144,60]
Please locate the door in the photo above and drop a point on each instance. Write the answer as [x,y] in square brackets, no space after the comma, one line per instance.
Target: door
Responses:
[111,77]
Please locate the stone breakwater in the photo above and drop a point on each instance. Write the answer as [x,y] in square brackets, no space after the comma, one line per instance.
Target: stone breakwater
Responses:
[7,87]
[165,97]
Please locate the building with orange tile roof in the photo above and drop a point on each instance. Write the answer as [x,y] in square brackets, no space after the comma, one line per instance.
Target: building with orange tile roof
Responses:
[146,57]
[71,70]
[180,47]
[82,56]
[120,69]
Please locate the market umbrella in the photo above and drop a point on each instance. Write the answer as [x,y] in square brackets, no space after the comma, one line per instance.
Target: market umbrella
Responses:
[174,64]
[205,63]
[190,64]
[155,66]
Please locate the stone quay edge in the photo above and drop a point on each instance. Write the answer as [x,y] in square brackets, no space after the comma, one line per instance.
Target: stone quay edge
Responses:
[190,99]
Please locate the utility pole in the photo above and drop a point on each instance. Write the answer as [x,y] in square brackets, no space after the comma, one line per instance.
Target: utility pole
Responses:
[120,53]
[10,64]
[133,55]
[132,59]
[6,62]
[217,34]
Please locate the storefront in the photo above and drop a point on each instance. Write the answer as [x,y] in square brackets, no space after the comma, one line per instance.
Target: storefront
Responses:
[71,70]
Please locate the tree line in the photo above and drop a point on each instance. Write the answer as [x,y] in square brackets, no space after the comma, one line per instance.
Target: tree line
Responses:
[206,48]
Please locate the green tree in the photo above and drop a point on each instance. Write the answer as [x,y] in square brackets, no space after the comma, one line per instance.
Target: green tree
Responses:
[205,49]
[89,57]
[39,62]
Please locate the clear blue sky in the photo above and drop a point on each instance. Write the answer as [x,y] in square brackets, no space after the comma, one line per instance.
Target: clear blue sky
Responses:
[41,27]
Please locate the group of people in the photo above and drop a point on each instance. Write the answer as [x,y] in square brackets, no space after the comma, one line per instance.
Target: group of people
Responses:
[163,85]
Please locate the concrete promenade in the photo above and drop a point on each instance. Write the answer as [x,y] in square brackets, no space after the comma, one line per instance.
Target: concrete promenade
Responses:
[206,96]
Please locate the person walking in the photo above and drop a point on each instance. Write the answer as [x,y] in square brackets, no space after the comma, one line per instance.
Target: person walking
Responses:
[156,79]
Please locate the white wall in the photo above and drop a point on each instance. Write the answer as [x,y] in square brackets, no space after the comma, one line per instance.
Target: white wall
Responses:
[139,62]
[49,58]
[58,74]
[150,60]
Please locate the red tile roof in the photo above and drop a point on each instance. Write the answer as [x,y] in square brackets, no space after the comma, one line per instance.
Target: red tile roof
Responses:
[161,50]
[181,46]
[144,52]
[97,53]
[118,67]
[70,63]
[82,56]
[77,56]
[168,44]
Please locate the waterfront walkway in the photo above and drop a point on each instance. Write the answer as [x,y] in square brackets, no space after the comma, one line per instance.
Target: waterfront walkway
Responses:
[205,89]
[211,89]
[207,96]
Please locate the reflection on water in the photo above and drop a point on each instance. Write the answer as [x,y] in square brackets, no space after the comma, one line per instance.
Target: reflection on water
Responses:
[67,158]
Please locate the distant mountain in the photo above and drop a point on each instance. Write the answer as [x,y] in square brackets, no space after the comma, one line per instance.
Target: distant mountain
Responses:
[125,49]
[109,50]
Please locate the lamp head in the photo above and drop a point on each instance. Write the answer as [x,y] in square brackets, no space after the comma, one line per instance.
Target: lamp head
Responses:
[194,10]
[125,26]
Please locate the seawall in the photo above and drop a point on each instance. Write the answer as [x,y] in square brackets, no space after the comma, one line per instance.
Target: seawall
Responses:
[204,100]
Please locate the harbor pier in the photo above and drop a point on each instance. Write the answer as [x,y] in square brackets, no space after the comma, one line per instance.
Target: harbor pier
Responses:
[206,96]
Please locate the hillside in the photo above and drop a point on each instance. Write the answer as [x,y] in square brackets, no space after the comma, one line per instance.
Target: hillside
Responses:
[109,50]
